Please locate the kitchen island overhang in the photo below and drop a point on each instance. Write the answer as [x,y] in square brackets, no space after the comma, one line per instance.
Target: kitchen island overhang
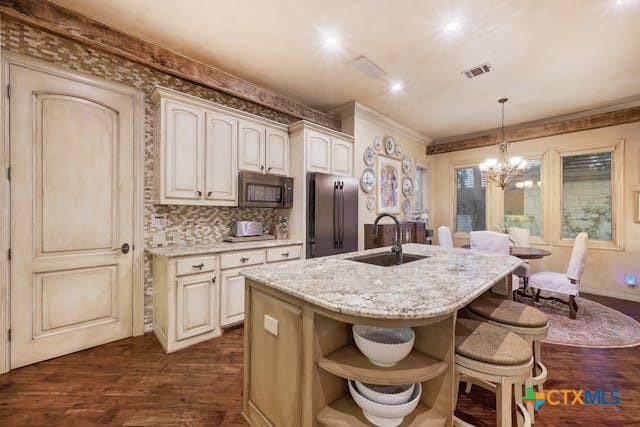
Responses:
[299,348]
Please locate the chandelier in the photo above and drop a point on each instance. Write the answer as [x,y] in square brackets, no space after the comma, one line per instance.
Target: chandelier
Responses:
[504,169]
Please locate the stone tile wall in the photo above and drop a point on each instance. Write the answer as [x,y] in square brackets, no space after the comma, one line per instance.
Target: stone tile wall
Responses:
[193,223]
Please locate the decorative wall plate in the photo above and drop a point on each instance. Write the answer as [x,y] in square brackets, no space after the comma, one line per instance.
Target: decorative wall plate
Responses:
[368,180]
[371,203]
[406,206]
[398,150]
[406,164]
[369,156]
[407,186]
[377,143]
[390,145]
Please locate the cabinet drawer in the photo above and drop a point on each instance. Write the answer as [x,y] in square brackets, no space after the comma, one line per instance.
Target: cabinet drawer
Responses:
[195,265]
[284,253]
[242,259]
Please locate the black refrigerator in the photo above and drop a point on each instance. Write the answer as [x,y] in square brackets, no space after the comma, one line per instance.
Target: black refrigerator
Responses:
[332,215]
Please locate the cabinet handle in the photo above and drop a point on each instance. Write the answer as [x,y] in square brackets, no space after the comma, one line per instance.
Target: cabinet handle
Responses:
[199,193]
[261,167]
[244,259]
[209,193]
[285,254]
[213,280]
[269,169]
[198,266]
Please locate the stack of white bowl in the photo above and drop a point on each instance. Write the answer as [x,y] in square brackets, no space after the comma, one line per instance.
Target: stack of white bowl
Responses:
[385,405]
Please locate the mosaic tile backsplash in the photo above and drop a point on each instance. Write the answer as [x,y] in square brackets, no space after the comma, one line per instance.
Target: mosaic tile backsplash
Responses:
[191,223]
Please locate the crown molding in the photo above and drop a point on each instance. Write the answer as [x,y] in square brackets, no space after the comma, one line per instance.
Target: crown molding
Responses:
[356,109]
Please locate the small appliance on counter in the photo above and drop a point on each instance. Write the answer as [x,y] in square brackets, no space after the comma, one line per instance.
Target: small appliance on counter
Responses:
[247,231]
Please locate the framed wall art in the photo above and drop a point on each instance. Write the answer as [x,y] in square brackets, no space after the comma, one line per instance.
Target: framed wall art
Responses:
[389,183]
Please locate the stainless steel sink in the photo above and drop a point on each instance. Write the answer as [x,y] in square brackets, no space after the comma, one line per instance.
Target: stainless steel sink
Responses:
[386,259]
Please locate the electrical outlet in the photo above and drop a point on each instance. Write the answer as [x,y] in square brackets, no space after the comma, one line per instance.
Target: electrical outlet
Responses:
[158,220]
[271,325]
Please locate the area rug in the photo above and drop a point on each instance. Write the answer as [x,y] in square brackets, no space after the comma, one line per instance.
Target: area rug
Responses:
[597,326]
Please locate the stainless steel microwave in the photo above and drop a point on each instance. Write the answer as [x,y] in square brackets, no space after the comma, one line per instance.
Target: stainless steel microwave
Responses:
[259,190]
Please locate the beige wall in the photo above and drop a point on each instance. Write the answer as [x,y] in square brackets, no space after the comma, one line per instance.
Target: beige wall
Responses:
[366,124]
[605,267]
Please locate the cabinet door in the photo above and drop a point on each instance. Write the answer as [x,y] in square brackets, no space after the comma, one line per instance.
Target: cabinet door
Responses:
[251,147]
[184,151]
[221,156]
[341,157]
[231,297]
[277,152]
[196,301]
[318,152]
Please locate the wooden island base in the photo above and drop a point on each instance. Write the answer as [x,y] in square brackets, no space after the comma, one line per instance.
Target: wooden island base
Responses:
[296,375]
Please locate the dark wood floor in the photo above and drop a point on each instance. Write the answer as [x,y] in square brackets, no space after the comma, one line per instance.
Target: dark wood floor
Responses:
[132,382]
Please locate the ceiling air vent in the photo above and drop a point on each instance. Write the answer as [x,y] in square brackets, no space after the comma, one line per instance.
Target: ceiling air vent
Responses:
[477,71]
[367,67]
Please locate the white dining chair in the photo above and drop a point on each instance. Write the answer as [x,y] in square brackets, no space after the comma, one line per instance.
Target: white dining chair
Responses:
[492,241]
[444,237]
[522,237]
[564,283]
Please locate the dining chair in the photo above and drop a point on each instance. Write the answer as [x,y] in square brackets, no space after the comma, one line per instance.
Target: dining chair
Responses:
[564,283]
[522,237]
[444,237]
[492,241]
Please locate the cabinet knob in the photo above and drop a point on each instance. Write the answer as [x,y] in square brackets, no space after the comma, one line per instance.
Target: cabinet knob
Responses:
[261,167]
[269,169]
[199,193]
[209,193]
[213,280]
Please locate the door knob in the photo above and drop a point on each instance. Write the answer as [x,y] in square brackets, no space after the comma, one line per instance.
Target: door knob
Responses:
[123,249]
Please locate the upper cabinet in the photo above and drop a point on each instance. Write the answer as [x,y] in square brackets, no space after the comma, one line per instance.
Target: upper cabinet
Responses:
[200,145]
[263,149]
[327,151]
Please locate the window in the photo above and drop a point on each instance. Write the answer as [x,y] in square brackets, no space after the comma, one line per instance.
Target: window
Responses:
[422,199]
[471,188]
[587,195]
[522,201]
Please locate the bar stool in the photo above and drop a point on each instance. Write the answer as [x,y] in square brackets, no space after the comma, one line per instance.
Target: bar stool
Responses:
[527,322]
[496,359]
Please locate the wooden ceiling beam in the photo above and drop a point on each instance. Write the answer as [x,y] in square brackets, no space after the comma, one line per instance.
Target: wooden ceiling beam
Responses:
[65,22]
[532,131]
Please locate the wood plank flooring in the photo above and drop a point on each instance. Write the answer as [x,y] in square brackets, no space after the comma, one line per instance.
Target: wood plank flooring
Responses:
[133,383]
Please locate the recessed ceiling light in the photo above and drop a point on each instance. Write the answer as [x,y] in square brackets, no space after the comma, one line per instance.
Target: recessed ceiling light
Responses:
[396,86]
[331,42]
[452,27]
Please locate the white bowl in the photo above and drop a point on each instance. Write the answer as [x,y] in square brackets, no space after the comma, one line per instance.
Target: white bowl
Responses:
[387,394]
[383,415]
[384,346]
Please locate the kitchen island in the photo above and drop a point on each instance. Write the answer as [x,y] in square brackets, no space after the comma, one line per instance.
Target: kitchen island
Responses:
[299,349]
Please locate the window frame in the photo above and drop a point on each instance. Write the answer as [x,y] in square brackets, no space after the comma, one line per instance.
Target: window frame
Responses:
[617,200]
[454,198]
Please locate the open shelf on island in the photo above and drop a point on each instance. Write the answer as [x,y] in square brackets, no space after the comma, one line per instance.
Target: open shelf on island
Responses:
[349,363]
[345,413]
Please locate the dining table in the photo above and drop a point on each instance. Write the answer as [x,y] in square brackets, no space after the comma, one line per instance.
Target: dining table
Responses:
[524,252]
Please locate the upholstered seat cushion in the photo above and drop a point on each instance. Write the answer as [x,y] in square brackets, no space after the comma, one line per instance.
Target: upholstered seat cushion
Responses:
[508,312]
[484,342]
[552,281]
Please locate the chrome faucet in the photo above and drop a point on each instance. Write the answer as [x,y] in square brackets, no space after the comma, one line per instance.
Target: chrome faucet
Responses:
[397,244]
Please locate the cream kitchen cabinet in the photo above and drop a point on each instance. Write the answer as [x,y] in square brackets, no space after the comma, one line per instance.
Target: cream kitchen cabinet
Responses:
[185,300]
[199,145]
[263,149]
[231,297]
[328,154]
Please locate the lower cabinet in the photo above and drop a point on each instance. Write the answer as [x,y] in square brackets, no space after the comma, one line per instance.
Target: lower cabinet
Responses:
[185,301]
[194,297]
[231,297]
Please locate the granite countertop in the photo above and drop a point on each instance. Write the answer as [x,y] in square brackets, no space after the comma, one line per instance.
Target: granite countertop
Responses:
[218,247]
[438,285]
